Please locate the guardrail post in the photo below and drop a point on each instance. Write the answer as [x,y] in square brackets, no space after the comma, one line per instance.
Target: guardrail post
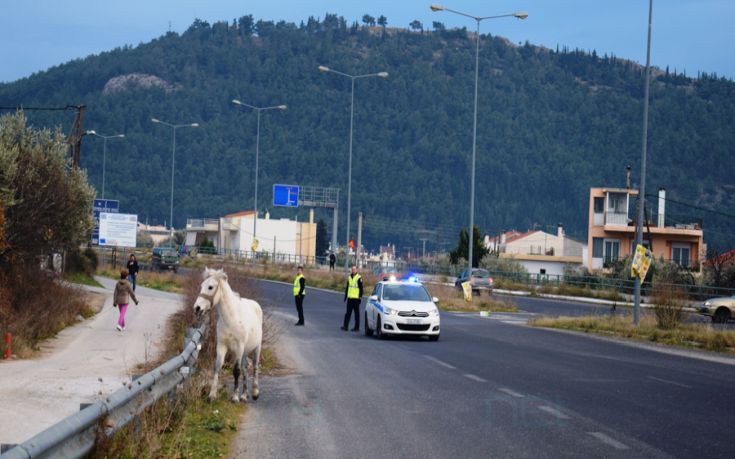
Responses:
[8,342]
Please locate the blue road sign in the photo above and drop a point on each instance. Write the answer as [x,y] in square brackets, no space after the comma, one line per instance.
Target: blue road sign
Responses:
[286,195]
[110,206]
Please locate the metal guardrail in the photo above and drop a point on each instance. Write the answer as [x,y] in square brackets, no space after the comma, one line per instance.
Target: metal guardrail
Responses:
[75,436]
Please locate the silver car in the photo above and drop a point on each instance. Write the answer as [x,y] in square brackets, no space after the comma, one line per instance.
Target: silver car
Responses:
[479,280]
[720,309]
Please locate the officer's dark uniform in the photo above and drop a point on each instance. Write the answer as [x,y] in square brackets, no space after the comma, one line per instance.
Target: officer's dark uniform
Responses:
[299,290]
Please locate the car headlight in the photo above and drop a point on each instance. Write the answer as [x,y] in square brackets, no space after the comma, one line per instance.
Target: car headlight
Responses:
[434,313]
[390,311]
[707,303]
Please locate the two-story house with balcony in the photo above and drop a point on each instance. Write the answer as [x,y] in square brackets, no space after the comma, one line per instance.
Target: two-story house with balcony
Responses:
[611,232]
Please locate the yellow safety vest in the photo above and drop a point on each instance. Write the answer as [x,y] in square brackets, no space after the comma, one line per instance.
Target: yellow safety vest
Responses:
[353,290]
[297,285]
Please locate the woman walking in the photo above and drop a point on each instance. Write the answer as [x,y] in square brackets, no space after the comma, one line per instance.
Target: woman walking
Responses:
[132,270]
[121,298]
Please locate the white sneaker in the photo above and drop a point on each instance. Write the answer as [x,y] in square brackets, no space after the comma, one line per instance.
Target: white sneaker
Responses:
[119,328]
[123,329]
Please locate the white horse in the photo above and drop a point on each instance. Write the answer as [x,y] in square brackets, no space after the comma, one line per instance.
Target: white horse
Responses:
[239,330]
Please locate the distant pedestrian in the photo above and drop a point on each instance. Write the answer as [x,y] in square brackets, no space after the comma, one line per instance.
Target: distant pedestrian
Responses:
[353,296]
[133,270]
[121,298]
[332,261]
[299,291]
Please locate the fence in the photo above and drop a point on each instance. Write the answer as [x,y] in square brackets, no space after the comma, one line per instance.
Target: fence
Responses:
[693,291]
[75,436]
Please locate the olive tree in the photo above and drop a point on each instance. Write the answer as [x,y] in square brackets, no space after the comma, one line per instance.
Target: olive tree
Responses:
[47,203]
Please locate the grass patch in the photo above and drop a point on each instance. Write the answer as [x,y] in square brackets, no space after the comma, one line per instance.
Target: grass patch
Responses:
[164,281]
[82,279]
[451,299]
[698,336]
[35,307]
[186,426]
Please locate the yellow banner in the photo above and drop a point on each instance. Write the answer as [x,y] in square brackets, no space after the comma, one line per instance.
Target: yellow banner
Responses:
[641,262]
[467,290]
[254,246]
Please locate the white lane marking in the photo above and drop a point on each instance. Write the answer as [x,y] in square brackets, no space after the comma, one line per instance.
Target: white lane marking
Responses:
[553,411]
[673,383]
[512,393]
[474,377]
[444,364]
[608,441]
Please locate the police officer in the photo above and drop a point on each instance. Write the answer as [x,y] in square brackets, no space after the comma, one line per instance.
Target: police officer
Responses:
[353,295]
[299,290]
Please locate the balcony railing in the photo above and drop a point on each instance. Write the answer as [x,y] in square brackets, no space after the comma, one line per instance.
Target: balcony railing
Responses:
[616,218]
[202,223]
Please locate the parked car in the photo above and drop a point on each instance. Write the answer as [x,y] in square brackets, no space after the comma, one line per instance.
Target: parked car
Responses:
[401,307]
[383,272]
[165,258]
[720,309]
[479,280]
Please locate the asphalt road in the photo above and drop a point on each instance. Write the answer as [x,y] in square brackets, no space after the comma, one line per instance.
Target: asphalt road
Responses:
[488,388]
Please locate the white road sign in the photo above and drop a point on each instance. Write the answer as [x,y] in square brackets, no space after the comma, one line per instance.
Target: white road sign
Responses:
[118,230]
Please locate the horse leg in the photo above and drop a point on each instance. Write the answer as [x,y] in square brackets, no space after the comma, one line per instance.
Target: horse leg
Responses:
[221,351]
[246,367]
[256,370]
[238,357]
[236,374]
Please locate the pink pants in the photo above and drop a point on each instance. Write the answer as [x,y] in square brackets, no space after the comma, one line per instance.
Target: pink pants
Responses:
[121,320]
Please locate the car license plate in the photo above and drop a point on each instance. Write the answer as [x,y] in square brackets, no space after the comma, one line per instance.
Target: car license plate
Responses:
[413,321]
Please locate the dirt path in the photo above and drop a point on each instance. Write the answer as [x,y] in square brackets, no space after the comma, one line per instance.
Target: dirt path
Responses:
[82,364]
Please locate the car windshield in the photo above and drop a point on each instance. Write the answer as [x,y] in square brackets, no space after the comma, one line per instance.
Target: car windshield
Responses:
[405,292]
[481,273]
[168,253]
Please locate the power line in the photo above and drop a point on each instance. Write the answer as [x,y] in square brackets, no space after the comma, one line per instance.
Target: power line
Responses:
[692,206]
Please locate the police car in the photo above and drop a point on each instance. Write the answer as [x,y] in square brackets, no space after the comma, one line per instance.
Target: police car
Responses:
[401,307]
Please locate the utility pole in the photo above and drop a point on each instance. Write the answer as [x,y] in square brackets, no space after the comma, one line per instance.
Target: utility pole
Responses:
[359,239]
[423,249]
[75,135]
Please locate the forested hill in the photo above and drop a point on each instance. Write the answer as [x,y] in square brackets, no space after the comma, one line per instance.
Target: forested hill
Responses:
[552,124]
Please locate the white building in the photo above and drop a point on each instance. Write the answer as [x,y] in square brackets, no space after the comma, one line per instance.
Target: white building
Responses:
[538,251]
[233,233]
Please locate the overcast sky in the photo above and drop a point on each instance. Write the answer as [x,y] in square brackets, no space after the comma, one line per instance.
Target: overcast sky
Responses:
[691,35]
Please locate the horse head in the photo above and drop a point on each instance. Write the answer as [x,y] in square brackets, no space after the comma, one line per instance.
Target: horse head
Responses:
[210,293]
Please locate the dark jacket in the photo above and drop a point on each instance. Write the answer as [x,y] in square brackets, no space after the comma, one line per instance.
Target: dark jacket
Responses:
[133,267]
[123,293]
[347,286]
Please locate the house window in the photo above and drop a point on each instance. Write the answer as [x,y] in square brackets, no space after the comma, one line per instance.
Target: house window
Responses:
[680,254]
[599,205]
[611,251]
[597,247]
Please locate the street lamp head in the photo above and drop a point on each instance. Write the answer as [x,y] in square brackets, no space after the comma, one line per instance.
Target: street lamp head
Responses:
[323,68]
[236,102]
[120,136]
[436,8]
[90,132]
[521,15]
[155,120]
[194,124]
[282,107]
[383,74]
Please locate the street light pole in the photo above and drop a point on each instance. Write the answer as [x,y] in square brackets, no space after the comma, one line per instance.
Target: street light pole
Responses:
[104,153]
[349,167]
[257,154]
[644,149]
[173,163]
[478,19]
